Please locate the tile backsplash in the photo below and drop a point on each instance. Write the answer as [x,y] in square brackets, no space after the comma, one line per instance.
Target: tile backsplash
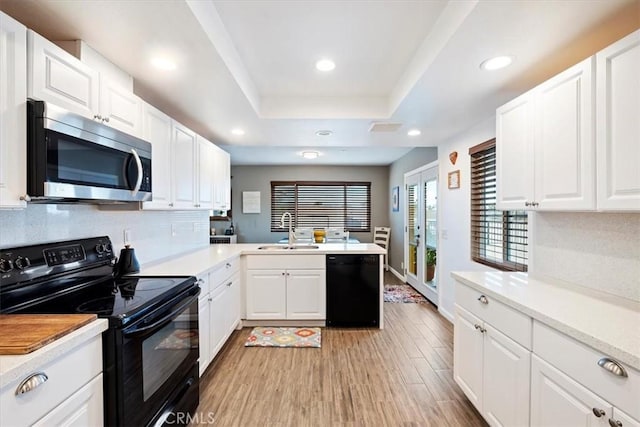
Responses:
[595,250]
[154,234]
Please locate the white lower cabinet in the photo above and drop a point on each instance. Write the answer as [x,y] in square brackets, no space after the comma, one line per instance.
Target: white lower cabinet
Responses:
[520,372]
[492,370]
[276,290]
[218,310]
[69,391]
[569,387]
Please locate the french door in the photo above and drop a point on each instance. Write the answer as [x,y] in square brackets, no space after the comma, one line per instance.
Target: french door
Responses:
[421,230]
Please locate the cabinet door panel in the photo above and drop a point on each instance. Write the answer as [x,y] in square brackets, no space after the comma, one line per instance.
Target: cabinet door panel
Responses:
[306,294]
[13,112]
[467,356]
[58,77]
[204,327]
[83,408]
[121,107]
[618,131]
[557,400]
[217,326]
[625,419]
[506,381]
[183,150]
[205,173]
[266,294]
[564,140]
[514,153]
[157,130]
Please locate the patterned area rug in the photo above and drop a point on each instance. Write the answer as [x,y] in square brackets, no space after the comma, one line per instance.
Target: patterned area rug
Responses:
[284,337]
[402,294]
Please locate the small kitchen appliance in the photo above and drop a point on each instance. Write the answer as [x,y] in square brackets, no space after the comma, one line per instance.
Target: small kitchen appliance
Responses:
[150,350]
[72,158]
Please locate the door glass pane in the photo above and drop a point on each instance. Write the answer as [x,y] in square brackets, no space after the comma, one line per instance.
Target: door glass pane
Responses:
[413,228]
[431,226]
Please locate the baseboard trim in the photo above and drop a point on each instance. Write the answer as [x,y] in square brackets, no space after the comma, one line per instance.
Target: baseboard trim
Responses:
[398,275]
[446,314]
[284,323]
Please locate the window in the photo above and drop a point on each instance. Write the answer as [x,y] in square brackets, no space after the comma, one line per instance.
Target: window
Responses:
[322,204]
[498,238]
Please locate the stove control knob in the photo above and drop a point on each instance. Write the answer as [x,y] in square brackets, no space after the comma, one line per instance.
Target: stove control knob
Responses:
[100,248]
[5,265]
[22,263]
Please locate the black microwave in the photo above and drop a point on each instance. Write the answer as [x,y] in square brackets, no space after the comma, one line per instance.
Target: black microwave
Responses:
[73,158]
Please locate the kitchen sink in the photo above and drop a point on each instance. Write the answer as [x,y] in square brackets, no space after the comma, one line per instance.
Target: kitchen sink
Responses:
[286,247]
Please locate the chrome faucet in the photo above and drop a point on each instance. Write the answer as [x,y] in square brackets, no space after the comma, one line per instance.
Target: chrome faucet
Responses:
[291,235]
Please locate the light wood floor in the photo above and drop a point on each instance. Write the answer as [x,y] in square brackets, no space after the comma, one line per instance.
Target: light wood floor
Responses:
[401,375]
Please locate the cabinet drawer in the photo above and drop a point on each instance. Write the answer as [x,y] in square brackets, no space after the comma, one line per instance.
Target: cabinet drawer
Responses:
[67,374]
[278,262]
[580,362]
[203,281]
[221,274]
[510,322]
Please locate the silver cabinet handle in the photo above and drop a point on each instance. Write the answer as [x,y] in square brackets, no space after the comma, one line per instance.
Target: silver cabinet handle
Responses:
[230,283]
[527,203]
[480,328]
[615,423]
[31,382]
[97,117]
[613,366]
[599,412]
[106,119]
[228,265]
[483,299]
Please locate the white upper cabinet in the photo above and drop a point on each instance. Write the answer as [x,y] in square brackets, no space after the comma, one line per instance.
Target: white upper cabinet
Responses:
[13,112]
[56,76]
[618,125]
[157,130]
[545,145]
[183,170]
[564,163]
[514,151]
[120,108]
[222,180]
[205,169]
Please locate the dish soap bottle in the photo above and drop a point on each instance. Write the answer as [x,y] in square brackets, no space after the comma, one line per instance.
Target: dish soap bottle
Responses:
[233,231]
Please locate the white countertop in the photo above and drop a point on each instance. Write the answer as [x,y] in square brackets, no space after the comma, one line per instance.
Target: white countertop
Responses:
[201,260]
[18,366]
[602,321]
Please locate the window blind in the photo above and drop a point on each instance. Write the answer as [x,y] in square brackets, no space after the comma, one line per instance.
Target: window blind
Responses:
[498,238]
[322,204]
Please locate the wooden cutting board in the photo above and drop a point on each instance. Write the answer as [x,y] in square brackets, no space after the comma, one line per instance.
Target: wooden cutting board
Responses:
[24,333]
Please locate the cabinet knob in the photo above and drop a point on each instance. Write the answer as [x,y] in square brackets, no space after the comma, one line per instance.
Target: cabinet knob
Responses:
[527,203]
[613,366]
[599,412]
[32,382]
[615,423]
[97,117]
[106,119]
[535,204]
[483,299]
[171,204]
[230,283]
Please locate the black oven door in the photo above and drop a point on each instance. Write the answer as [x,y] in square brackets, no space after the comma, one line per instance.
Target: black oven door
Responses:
[155,365]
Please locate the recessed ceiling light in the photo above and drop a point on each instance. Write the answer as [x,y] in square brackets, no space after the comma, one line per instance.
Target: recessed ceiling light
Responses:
[237,131]
[163,63]
[414,132]
[310,154]
[325,65]
[496,63]
[325,132]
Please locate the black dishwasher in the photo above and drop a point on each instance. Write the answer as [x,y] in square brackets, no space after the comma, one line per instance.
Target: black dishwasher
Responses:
[353,290]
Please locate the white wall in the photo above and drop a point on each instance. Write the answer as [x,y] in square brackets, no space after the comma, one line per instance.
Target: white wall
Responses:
[453,213]
[154,234]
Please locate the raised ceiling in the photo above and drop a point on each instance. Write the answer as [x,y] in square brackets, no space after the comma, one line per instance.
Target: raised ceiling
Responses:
[250,64]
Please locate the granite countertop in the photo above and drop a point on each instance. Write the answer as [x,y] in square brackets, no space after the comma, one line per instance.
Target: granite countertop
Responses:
[13,367]
[599,320]
[208,258]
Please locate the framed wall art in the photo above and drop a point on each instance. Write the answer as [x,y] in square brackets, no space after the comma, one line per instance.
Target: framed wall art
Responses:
[454,180]
[395,199]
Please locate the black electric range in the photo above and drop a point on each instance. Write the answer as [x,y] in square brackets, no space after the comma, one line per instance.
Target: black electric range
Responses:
[150,351]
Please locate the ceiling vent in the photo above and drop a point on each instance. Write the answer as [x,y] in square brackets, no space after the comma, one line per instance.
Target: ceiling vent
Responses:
[384,127]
